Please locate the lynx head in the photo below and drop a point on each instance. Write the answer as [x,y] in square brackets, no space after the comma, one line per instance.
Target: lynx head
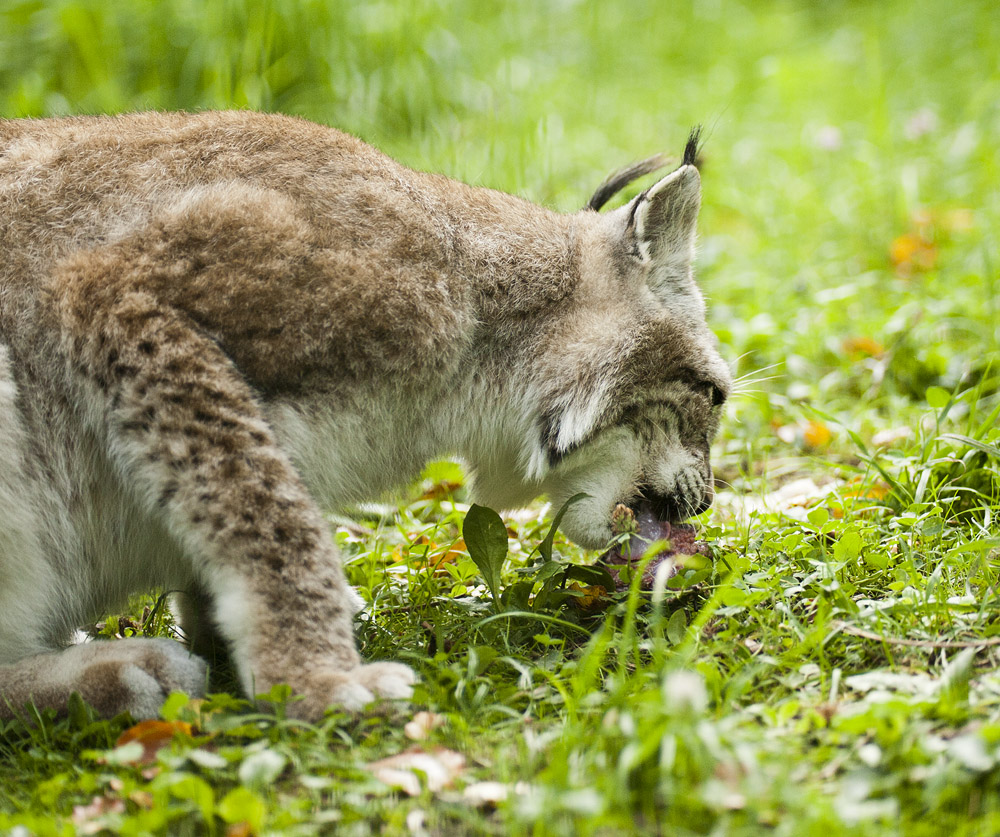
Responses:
[628,376]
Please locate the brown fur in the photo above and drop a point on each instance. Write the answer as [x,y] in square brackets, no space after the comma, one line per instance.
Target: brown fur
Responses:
[190,302]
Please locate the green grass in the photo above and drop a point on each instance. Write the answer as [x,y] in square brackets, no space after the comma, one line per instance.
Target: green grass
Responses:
[752,698]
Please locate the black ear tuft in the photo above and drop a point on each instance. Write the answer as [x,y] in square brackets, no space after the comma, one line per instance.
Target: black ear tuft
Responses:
[621,178]
[691,149]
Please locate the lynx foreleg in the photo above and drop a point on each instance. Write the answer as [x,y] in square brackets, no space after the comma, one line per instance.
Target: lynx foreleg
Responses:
[186,433]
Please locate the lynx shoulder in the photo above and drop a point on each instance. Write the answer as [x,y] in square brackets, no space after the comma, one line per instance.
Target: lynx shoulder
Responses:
[213,325]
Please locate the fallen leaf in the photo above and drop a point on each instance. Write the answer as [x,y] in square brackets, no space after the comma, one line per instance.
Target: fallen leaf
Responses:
[793,499]
[912,252]
[816,435]
[152,735]
[89,818]
[421,725]
[592,596]
[874,491]
[436,561]
[455,551]
[862,347]
[486,794]
[420,544]
[788,433]
[414,769]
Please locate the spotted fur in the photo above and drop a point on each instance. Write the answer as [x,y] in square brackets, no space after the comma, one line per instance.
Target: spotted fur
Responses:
[213,325]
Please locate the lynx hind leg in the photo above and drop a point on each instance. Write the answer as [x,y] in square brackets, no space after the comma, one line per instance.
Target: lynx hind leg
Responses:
[128,675]
[190,438]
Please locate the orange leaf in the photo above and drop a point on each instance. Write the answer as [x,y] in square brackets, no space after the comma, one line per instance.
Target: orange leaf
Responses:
[453,553]
[456,551]
[594,597]
[152,735]
[816,435]
[875,491]
[421,544]
[863,346]
[911,251]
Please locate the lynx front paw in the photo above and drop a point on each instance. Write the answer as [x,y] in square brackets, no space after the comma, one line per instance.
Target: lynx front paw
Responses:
[127,675]
[136,675]
[353,690]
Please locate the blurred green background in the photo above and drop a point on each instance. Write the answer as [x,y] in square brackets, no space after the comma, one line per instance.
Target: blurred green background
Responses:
[838,135]
[849,251]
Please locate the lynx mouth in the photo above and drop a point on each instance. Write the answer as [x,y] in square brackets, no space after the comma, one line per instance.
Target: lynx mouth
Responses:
[647,528]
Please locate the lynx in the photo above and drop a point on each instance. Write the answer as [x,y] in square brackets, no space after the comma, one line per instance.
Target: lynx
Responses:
[214,325]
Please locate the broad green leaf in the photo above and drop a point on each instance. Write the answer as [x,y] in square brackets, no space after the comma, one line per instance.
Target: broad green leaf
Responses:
[733,596]
[937,397]
[547,570]
[243,805]
[877,559]
[847,547]
[818,516]
[192,788]
[677,626]
[591,575]
[172,706]
[480,656]
[545,547]
[486,539]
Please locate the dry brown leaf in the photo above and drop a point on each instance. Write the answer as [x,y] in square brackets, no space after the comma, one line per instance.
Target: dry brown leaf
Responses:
[420,544]
[87,818]
[912,252]
[593,596]
[436,561]
[414,769]
[421,725]
[862,347]
[152,735]
[875,491]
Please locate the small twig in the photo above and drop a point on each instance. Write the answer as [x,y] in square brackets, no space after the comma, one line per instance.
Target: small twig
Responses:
[914,643]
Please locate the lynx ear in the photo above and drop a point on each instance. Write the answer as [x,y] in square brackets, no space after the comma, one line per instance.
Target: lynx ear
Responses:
[664,218]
